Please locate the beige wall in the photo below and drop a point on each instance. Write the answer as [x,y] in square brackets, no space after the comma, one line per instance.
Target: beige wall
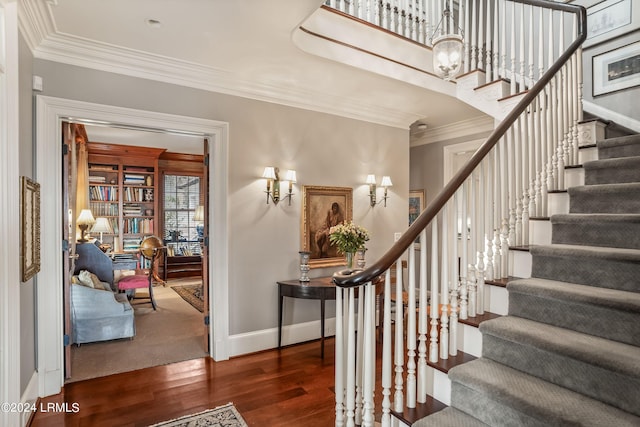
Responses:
[265,239]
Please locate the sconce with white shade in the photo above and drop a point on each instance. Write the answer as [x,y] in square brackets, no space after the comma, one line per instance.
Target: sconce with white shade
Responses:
[447,48]
[85,219]
[385,183]
[273,184]
[102,226]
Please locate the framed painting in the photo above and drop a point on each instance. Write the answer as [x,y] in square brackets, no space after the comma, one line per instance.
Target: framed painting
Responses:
[617,69]
[416,204]
[322,208]
[30,228]
[610,19]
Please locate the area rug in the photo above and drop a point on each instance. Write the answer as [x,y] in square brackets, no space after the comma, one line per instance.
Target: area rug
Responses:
[191,294]
[222,416]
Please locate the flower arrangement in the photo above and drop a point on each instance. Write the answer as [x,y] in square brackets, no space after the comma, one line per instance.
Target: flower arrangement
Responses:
[348,237]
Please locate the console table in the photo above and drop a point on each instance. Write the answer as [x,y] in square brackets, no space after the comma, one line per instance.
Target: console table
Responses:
[321,288]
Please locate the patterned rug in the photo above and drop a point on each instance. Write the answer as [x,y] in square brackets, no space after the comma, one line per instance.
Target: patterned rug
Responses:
[191,294]
[227,416]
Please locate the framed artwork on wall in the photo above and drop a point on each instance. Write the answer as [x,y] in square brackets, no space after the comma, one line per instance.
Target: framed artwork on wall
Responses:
[610,19]
[617,69]
[416,204]
[322,208]
[30,228]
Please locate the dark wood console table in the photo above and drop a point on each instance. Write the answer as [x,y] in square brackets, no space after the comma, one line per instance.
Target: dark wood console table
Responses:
[321,288]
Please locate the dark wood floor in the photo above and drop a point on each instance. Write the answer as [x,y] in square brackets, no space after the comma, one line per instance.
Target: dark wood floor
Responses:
[288,387]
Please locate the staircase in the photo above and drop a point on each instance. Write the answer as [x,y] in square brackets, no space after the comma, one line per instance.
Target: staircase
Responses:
[568,353]
[558,224]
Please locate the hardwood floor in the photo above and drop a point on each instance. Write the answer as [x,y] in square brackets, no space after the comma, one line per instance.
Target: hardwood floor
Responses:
[288,387]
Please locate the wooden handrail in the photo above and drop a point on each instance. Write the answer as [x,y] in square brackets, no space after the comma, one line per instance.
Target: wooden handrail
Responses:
[346,280]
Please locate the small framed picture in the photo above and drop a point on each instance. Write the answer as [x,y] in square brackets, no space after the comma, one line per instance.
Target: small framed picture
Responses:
[416,204]
[617,69]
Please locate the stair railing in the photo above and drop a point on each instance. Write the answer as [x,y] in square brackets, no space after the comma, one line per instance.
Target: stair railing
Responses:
[466,231]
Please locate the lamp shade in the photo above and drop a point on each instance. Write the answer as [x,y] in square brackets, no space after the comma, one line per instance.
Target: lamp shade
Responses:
[85,218]
[199,214]
[291,176]
[269,172]
[386,181]
[447,55]
[102,225]
[371,179]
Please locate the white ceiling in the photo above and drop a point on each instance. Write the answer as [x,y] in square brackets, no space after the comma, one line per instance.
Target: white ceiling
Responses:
[240,47]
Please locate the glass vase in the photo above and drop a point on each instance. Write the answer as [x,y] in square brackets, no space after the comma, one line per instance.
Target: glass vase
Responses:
[304,266]
[349,257]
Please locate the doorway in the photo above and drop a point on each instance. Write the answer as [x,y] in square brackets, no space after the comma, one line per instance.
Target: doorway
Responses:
[170,327]
[50,112]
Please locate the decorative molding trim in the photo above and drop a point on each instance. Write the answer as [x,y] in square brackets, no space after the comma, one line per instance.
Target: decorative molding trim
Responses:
[39,30]
[10,356]
[455,130]
[605,113]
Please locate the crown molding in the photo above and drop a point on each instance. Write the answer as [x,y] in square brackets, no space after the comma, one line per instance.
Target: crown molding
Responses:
[35,21]
[38,27]
[455,130]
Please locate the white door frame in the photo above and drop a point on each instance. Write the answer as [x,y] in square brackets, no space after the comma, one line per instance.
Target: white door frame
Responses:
[10,388]
[50,112]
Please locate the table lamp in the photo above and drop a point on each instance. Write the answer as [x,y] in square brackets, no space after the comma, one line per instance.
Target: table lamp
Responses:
[84,221]
[101,226]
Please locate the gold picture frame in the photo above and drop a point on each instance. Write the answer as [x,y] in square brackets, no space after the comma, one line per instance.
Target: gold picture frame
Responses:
[323,207]
[30,228]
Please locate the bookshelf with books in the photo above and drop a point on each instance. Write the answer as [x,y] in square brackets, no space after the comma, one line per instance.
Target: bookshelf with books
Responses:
[123,188]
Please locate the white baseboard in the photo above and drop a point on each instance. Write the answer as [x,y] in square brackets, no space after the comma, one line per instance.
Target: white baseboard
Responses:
[30,396]
[266,339]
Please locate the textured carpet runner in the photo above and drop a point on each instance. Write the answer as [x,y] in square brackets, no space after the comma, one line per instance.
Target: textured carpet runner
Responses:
[191,294]
[568,353]
[222,416]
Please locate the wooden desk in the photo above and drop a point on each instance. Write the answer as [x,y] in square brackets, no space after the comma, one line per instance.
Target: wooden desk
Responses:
[321,288]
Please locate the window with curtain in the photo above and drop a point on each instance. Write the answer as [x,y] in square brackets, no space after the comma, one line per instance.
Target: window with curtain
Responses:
[181,198]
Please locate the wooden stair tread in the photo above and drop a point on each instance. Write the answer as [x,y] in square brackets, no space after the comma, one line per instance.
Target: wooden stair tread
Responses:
[443,365]
[476,320]
[502,282]
[523,248]
[411,415]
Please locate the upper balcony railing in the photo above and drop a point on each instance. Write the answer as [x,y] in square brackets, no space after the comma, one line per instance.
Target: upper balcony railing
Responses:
[413,19]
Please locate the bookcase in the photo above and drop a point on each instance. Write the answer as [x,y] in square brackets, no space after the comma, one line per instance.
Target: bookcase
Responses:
[123,183]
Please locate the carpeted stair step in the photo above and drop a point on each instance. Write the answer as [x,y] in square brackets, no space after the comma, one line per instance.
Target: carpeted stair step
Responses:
[611,171]
[623,146]
[501,396]
[601,312]
[613,230]
[449,417]
[588,265]
[605,198]
[602,369]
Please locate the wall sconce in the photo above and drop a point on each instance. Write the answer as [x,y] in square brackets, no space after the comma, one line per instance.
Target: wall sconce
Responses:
[102,226]
[385,183]
[84,221]
[273,184]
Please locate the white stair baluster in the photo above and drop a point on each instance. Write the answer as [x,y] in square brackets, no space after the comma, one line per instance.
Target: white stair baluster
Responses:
[435,285]
[423,319]
[386,352]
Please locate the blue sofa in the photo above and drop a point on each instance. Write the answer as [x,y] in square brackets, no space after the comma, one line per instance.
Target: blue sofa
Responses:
[98,314]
